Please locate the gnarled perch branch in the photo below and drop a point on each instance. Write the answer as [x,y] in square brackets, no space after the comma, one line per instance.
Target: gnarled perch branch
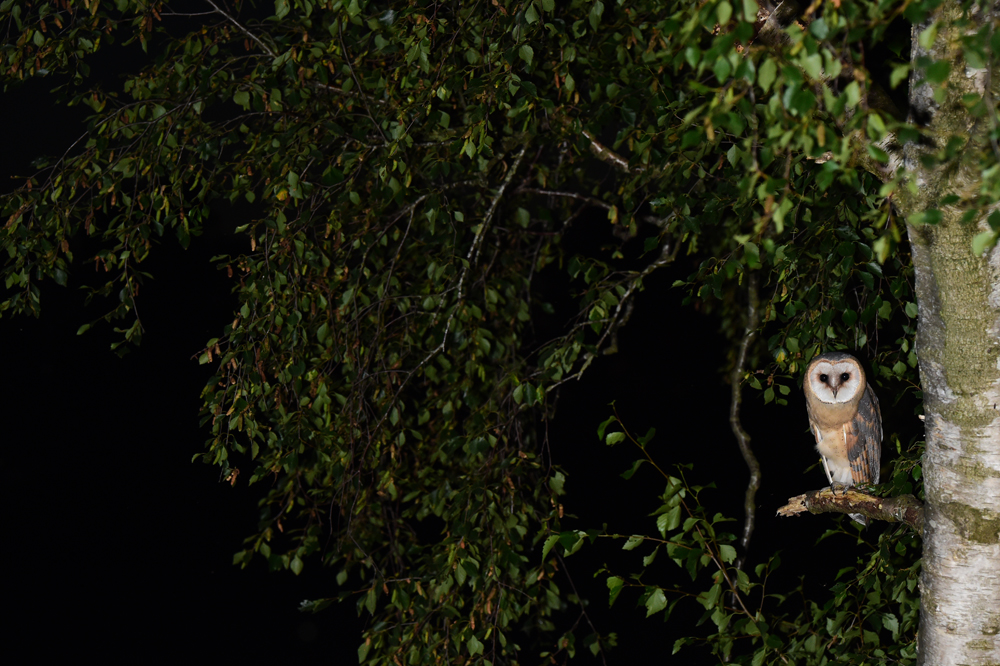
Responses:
[900,509]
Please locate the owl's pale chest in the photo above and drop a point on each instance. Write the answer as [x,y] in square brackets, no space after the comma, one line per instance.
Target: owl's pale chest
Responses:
[828,416]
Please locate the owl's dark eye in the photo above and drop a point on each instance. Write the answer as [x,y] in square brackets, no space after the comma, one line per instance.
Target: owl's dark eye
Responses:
[824,378]
[845,376]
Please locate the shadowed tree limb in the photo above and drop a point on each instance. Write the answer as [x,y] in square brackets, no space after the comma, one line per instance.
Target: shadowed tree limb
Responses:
[742,438]
[605,154]
[900,509]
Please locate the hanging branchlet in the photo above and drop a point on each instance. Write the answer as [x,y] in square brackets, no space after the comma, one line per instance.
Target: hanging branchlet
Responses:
[736,425]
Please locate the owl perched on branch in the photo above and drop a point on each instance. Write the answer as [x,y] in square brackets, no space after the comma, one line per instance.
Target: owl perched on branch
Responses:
[845,419]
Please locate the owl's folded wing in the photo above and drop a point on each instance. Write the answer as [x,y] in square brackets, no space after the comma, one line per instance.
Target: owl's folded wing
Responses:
[864,440]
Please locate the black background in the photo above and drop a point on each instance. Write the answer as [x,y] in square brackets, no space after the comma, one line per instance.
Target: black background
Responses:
[120,546]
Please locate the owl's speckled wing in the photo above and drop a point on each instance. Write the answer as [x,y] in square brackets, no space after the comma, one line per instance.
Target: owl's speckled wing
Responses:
[864,440]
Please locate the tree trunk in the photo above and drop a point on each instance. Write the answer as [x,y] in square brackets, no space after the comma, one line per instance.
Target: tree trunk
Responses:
[958,347]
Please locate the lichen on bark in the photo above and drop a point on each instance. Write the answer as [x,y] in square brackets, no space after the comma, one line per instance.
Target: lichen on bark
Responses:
[973,524]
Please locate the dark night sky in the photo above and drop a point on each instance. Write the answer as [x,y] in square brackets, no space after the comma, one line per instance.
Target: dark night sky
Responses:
[120,546]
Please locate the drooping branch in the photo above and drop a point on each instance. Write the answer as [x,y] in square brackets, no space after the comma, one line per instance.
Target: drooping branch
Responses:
[471,259]
[900,509]
[742,438]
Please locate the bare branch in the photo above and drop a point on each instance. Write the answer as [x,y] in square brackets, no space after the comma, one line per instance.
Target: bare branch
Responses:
[246,32]
[477,243]
[570,195]
[900,509]
[347,93]
[605,154]
[742,438]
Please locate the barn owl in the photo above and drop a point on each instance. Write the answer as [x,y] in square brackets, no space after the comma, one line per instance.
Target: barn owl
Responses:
[845,419]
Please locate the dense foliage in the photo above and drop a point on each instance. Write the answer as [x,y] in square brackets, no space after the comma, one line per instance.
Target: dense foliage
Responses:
[408,171]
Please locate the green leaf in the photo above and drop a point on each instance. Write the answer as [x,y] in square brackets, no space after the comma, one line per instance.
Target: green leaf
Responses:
[929,216]
[604,426]
[615,585]
[766,74]
[819,28]
[750,11]
[531,15]
[296,565]
[721,69]
[613,438]
[727,553]
[669,521]
[556,482]
[550,542]
[938,72]
[596,11]
[526,53]
[627,474]
[853,93]
[928,35]
[899,74]
[632,542]
[812,64]
[656,602]
[724,11]
[474,645]
[983,241]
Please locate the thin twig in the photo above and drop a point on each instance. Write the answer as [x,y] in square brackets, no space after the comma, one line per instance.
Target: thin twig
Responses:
[569,195]
[357,83]
[246,32]
[583,608]
[348,93]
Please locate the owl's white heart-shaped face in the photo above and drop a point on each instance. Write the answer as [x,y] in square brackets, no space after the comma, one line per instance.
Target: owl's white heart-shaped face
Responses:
[835,382]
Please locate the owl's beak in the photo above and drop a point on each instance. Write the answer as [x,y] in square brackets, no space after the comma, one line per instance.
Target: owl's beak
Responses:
[834,389]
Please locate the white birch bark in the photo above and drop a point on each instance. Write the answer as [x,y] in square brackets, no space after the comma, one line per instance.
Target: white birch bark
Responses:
[958,347]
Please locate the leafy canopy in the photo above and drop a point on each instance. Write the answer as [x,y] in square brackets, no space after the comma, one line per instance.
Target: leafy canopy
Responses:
[406,174]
